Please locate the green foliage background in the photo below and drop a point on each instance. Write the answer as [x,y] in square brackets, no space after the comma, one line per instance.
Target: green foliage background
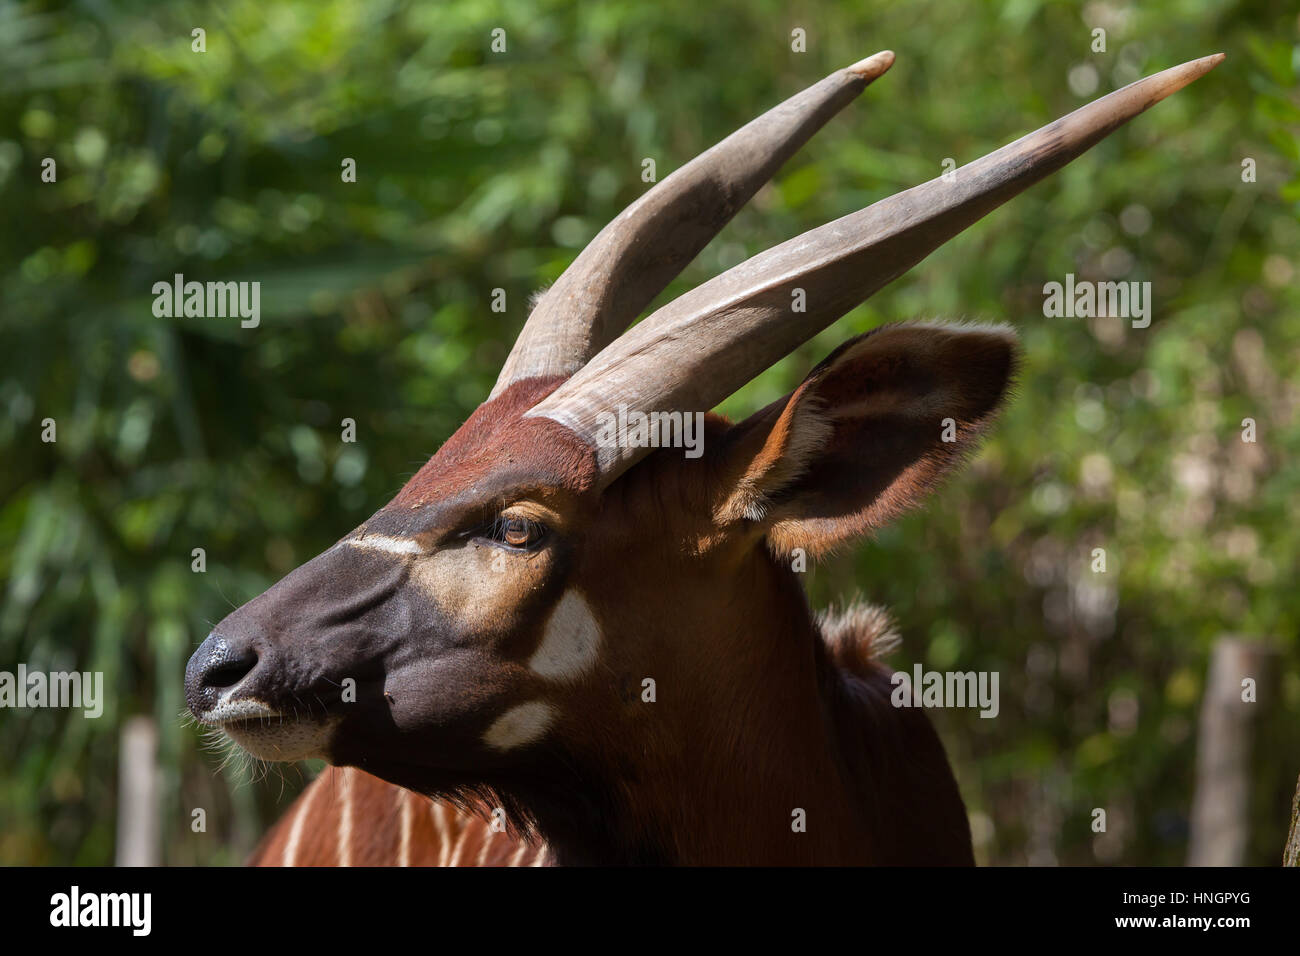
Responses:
[480,170]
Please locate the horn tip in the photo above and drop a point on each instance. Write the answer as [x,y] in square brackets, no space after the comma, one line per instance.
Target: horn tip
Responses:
[1205,64]
[873,66]
[1175,78]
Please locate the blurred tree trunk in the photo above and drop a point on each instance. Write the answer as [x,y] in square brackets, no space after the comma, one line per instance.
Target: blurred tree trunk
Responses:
[1230,728]
[138,806]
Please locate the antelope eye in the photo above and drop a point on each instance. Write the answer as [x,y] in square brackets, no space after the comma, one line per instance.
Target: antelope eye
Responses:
[516,532]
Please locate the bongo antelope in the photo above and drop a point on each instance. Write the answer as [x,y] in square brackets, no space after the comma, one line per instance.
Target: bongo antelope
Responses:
[604,644]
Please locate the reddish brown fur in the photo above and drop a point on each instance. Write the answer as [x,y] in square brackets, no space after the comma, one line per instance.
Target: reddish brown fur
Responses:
[757,716]
[683,566]
[497,443]
[440,835]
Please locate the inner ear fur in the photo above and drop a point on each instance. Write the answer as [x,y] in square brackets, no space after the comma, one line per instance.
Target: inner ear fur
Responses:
[863,437]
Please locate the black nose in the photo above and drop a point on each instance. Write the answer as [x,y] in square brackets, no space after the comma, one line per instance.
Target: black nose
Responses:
[219,663]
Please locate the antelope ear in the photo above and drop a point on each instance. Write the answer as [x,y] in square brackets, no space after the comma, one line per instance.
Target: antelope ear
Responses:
[870,431]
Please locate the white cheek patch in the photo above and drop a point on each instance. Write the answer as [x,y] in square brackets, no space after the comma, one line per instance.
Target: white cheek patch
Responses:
[571,642]
[382,542]
[521,724]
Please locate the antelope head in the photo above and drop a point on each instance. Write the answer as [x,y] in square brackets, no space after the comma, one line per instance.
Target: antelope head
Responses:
[558,617]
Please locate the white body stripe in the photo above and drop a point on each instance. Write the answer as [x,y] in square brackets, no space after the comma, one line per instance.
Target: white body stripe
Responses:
[406,819]
[440,825]
[460,845]
[295,828]
[488,841]
[518,858]
[345,817]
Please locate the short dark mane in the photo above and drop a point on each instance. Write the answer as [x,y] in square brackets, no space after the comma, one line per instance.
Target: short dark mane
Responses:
[920,811]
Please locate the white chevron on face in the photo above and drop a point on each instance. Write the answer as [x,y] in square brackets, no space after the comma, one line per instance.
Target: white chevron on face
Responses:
[385,543]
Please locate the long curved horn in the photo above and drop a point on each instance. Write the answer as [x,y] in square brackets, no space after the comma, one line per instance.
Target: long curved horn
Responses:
[701,347]
[634,258]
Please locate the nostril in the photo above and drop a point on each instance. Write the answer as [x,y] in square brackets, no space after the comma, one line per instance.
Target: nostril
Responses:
[219,663]
[230,673]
